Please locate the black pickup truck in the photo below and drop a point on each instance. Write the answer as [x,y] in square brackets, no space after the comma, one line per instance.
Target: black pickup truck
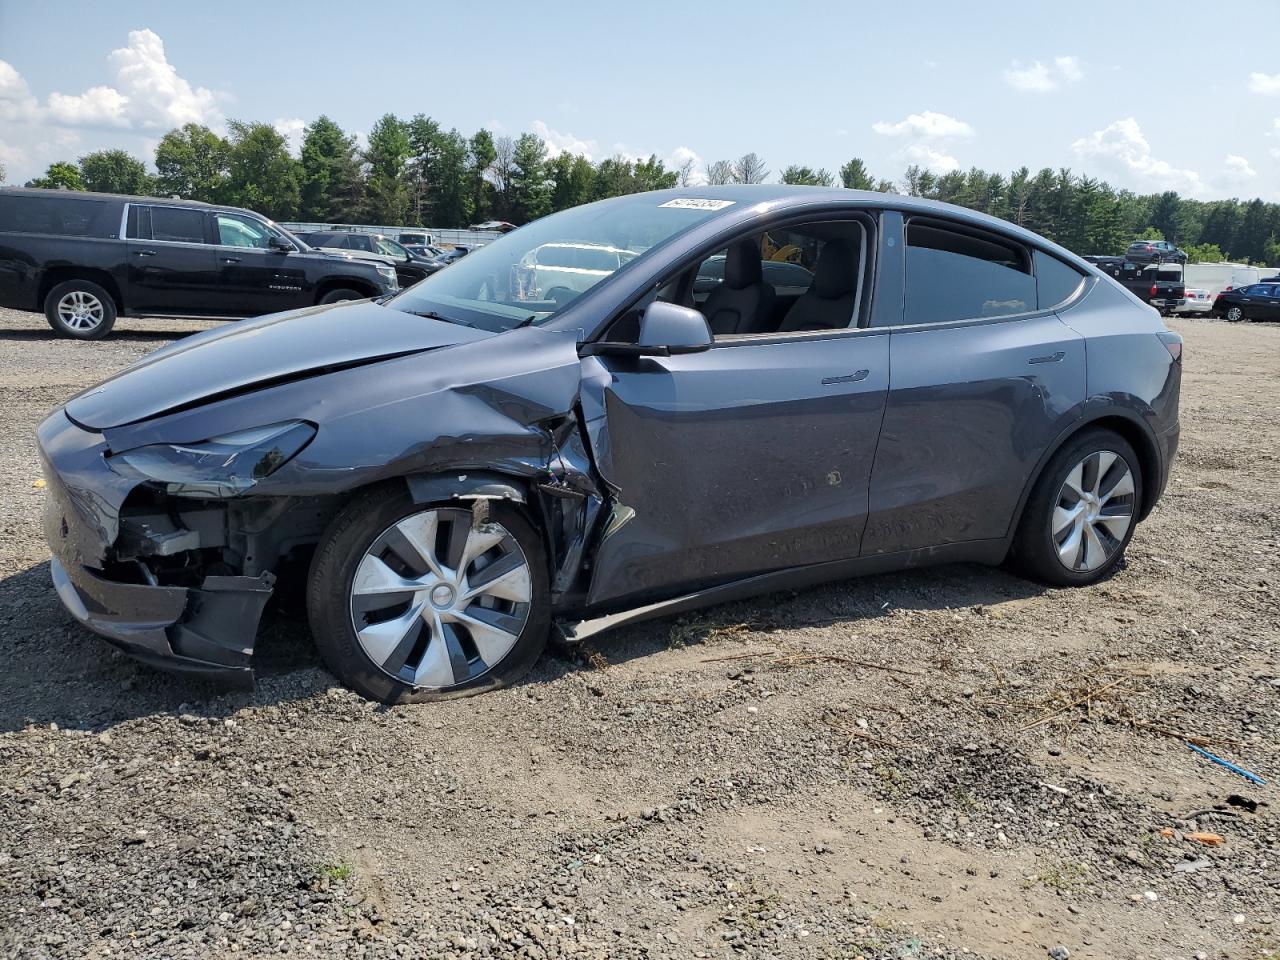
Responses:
[1159,283]
[84,258]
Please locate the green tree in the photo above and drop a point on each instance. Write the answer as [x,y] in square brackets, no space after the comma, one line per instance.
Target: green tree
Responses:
[452,204]
[60,175]
[1203,253]
[388,197]
[855,176]
[481,156]
[261,175]
[572,178]
[807,177]
[331,188]
[191,163]
[114,171]
[530,186]
[652,174]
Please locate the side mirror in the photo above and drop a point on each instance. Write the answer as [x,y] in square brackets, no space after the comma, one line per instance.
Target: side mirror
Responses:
[666,329]
[281,245]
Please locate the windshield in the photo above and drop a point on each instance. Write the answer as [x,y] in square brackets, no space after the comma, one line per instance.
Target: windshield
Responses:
[530,274]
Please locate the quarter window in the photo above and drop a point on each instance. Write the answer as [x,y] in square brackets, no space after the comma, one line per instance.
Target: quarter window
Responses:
[957,275]
[59,216]
[177,225]
[1055,281]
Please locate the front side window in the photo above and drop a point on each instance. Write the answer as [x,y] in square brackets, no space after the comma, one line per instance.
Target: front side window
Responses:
[787,280]
[242,232]
[955,274]
[177,225]
[389,248]
[505,283]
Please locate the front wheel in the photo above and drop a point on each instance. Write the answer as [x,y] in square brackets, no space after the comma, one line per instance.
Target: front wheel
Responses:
[1234,314]
[1081,513]
[411,602]
[80,310]
[343,293]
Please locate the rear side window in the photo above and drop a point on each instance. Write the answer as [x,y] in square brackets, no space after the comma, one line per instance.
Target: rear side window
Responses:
[177,225]
[1055,281]
[58,216]
[954,274]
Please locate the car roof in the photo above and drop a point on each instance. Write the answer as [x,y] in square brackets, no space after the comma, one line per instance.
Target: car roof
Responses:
[126,198]
[752,200]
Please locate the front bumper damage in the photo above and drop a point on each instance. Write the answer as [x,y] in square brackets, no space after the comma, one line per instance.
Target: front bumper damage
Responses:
[205,627]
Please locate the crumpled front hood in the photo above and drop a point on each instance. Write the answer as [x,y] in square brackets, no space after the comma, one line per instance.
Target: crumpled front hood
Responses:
[253,354]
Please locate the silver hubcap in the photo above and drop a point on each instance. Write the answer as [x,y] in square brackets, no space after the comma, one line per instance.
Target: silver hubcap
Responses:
[79,310]
[1094,511]
[439,599]
[1235,313]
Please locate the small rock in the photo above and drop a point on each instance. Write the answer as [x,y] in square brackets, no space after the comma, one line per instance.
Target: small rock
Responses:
[1059,953]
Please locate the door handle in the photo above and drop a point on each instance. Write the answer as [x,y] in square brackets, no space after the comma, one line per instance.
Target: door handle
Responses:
[230,259]
[144,253]
[854,377]
[1051,358]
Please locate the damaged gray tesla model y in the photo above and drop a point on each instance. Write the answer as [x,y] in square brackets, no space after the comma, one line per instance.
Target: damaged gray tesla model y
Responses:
[623,410]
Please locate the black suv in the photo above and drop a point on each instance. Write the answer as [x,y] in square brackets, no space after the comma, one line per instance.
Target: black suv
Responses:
[83,258]
[1154,251]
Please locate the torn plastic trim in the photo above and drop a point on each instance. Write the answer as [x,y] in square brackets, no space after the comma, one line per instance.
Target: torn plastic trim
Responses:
[208,630]
[463,485]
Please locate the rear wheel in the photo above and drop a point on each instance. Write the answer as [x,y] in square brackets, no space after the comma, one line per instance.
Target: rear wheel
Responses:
[412,602]
[342,293]
[80,309]
[1234,314]
[1081,513]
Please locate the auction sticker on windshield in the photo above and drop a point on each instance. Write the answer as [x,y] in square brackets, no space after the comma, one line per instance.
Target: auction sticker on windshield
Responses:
[697,203]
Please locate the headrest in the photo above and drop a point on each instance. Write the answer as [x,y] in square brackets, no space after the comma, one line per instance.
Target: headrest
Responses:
[836,272]
[742,265]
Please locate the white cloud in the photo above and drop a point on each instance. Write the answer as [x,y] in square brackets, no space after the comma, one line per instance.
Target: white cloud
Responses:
[148,93]
[931,158]
[1121,148]
[928,124]
[678,157]
[558,143]
[1237,168]
[16,101]
[1043,77]
[1265,83]
[1070,68]
[291,129]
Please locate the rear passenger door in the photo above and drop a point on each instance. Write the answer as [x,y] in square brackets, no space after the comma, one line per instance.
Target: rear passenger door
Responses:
[171,267]
[983,377]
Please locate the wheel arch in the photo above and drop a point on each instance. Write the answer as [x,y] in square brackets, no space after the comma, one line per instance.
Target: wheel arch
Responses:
[61,274]
[329,284]
[1136,432]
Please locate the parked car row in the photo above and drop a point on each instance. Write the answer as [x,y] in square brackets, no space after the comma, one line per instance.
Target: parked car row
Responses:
[83,259]
[1258,301]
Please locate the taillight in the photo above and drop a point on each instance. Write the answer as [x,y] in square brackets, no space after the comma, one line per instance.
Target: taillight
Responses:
[1154,290]
[1173,343]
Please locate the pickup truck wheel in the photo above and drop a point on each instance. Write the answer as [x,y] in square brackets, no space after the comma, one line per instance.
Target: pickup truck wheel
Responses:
[342,293]
[80,309]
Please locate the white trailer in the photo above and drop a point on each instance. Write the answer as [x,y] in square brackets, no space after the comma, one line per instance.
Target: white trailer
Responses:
[1216,277]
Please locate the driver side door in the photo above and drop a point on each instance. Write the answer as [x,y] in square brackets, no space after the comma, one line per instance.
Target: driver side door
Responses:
[751,456]
[255,277]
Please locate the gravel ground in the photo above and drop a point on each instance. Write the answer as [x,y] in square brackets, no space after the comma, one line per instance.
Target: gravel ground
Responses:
[941,763]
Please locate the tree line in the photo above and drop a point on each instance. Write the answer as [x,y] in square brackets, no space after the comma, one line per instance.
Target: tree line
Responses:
[414,172]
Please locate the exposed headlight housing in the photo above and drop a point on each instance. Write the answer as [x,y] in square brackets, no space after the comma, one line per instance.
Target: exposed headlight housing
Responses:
[224,466]
[389,274]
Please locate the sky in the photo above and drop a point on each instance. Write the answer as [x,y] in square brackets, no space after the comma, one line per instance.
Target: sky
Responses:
[1182,104]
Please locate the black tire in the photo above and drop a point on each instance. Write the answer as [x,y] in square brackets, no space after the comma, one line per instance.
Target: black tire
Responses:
[329,596]
[80,309]
[1035,551]
[1234,314]
[342,293]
